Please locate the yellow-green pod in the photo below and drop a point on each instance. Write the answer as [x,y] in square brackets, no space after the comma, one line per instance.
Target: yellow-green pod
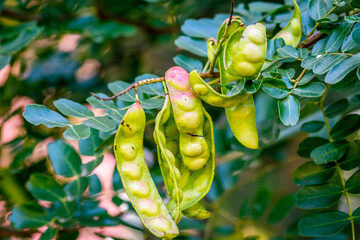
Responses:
[292,32]
[166,161]
[197,211]
[242,121]
[210,96]
[199,182]
[189,118]
[249,54]
[135,175]
[236,23]
[211,49]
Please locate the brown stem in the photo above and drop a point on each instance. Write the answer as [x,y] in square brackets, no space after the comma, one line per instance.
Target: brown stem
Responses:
[148,81]
[231,12]
[317,36]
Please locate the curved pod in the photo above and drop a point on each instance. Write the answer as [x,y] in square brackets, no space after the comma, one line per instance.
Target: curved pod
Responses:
[210,96]
[136,177]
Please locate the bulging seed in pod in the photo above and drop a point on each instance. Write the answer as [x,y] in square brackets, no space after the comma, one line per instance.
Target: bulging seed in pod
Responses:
[252,53]
[128,151]
[177,174]
[186,102]
[139,189]
[173,146]
[200,90]
[170,156]
[193,149]
[195,163]
[131,170]
[160,224]
[256,36]
[190,120]
[148,207]
[162,138]
[171,130]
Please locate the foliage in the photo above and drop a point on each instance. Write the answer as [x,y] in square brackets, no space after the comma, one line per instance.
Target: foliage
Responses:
[311,88]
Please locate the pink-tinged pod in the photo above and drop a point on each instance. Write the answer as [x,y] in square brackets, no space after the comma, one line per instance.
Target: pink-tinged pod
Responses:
[189,118]
[135,175]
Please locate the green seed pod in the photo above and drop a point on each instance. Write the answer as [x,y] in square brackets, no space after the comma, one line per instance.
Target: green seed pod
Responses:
[236,22]
[189,117]
[197,211]
[292,32]
[199,182]
[211,49]
[242,121]
[249,54]
[136,177]
[210,96]
[165,121]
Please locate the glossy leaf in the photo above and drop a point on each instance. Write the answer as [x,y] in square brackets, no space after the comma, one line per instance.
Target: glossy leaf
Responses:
[323,224]
[312,126]
[87,168]
[339,71]
[337,108]
[88,145]
[76,132]
[352,158]
[155,89]
[337,37]
[188,63]
[288,51]
[75,188]
[199,28]
[49,234]
[275,88]
[352,185]
[327,62]
[64,159]
[23,39]
[313,89]
[29,216]
[101,123]
[310,173]
[119,86]
[44,187]
[197,47]
[39,114]
[320,196]
[346,126]
[73,109]
[281,209]
[309,144]
[289,110]
[94,184]
[329,152]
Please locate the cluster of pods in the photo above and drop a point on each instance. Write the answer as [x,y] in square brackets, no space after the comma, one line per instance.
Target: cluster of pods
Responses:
[184,130]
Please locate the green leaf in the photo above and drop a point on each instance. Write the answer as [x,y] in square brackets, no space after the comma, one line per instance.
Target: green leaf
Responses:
[313,89]
[352,158]
[101,123]
[75,188]
[347,83]
[356,215]
[237,88]
[29,215]
[197,47]
[188,63]
[349,44]
[24,38]
[45,188]
[323,224]
[252,86]
[339,71]
[309,62]
[288,52]
[119,86]
[309,75]
[4,60]
[73,109]
[312,126]
[329,152]
[97,103]
[321,196]
[327,62]
[310,173]
[337,108]
[152,103]
[87,168]
[275,88]
[346,126]
[65,210]
[281,209]
[261,202]
[317,9]
[352,185]
[65,161]
[94,184]
[337,37]
[117,184]
[76,132]
[289,110]
[88,145]
[155,89]
[199,28]
[309,144]
[39,114]
[49,234]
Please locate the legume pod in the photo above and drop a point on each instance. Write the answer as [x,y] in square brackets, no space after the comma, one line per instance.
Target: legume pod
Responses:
[189,118]
[136,177]
[210,96]
[197,211]
[167,149]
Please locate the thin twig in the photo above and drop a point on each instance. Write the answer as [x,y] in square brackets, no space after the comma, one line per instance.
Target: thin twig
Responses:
[231,12]
[148,81]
